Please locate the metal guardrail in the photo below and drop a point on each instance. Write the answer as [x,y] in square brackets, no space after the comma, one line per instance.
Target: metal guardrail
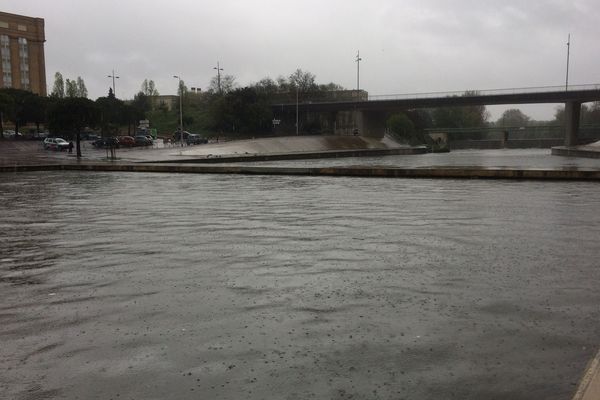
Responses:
[486,92]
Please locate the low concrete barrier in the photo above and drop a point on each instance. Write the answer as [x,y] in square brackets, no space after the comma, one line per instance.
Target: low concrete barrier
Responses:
[298,155]
[379,172]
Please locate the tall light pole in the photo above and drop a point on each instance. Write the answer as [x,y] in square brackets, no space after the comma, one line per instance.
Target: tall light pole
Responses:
[180,89]
[219,69]
[113,79]
[297,127]
[358,60]
[568,54]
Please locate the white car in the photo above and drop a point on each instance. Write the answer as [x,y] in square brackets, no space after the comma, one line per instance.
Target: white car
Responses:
[57,144]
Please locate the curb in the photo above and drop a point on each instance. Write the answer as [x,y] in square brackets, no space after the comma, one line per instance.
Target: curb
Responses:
[378,172]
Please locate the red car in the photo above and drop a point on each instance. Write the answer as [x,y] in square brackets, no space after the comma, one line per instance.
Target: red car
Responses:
[126,141]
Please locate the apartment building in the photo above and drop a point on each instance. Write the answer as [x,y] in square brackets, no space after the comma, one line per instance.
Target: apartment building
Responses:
[22,63]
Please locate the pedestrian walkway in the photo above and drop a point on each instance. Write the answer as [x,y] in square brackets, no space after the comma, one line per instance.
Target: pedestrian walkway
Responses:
[376,161]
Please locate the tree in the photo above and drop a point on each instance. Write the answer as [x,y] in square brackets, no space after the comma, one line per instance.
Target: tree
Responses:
[513,117]
[20,109]
[303,81]
[35,109]
[58,90]
[227,83]
[592,115]
[330,87]
[245,111]
[148,88]
[266,85]
[182,90]
[461,117]
[6,109]
[588,115]
[402,127]
[112,114]
[71,89]
[141,103]
[72,114]
[81,89]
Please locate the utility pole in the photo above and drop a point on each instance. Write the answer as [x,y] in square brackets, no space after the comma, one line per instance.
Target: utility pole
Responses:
[113,80]
[178,77]
[219,69]
[358,60]
[568,54]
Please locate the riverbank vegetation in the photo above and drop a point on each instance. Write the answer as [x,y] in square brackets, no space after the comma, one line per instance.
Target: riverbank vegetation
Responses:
[226,109]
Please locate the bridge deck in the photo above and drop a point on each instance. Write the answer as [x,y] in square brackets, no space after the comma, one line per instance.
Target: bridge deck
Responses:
[581,94]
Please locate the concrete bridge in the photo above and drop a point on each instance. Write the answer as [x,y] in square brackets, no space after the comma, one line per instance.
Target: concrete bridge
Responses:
[369,116]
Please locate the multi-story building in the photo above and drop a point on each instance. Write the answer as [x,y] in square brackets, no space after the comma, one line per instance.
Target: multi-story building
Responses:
[22,63]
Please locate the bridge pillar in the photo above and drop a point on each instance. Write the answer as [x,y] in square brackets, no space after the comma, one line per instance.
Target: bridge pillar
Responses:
[572,113]
[370,123]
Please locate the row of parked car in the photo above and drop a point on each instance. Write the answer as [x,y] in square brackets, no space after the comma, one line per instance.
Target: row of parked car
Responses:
[123,141]
[119,141]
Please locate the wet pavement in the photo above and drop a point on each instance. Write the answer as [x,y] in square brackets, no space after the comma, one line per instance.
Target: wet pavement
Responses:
[27,153]
[170,286]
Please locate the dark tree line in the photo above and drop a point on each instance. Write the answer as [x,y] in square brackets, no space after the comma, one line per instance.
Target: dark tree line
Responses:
[68,116]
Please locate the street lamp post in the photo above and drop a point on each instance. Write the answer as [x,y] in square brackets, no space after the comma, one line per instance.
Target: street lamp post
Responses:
[358,60]
[113,80]
[568,54]
[219,69]
[297,88]
[180,110]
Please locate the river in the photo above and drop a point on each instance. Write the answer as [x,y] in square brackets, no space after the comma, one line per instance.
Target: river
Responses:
[166,286]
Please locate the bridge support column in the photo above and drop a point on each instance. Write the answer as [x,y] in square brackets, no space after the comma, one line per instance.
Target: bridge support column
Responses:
[572,113]
[370,123]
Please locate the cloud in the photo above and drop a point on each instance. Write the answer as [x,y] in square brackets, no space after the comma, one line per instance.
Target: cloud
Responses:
[431,45]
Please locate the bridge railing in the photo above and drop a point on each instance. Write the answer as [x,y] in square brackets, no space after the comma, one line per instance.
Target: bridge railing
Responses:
[486,92]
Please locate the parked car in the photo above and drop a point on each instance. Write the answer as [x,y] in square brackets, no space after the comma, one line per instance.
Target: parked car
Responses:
[126,141]
[90,137]
[141,140]
[177,135]
[193,138]
[106,142]
[40,135]
[10,134]
[57,144]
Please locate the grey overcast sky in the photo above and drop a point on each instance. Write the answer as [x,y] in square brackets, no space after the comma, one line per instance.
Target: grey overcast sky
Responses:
[405,46]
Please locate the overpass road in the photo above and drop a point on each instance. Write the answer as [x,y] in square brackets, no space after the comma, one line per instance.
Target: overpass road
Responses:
[370,114]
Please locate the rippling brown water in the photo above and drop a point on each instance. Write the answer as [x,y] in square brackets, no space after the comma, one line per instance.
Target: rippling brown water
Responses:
[140,286]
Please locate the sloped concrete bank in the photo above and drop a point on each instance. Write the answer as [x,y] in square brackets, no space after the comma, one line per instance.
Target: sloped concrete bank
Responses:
[581,151]
[591,150]
[187,158]
[379,172]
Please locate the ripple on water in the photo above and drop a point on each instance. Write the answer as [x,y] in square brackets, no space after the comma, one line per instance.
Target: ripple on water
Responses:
[283,287]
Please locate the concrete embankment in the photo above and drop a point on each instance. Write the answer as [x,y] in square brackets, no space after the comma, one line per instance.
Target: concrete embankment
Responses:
[379,172]
[306,155]
[590,151]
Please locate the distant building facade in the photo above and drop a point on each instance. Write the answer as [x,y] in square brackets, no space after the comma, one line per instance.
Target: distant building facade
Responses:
[23,64]
[167,102]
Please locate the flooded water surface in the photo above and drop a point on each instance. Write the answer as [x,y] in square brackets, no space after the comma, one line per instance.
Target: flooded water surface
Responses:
[165,286]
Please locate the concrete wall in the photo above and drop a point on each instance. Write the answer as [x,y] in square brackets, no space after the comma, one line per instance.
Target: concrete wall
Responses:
[363,123]
[510,144]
